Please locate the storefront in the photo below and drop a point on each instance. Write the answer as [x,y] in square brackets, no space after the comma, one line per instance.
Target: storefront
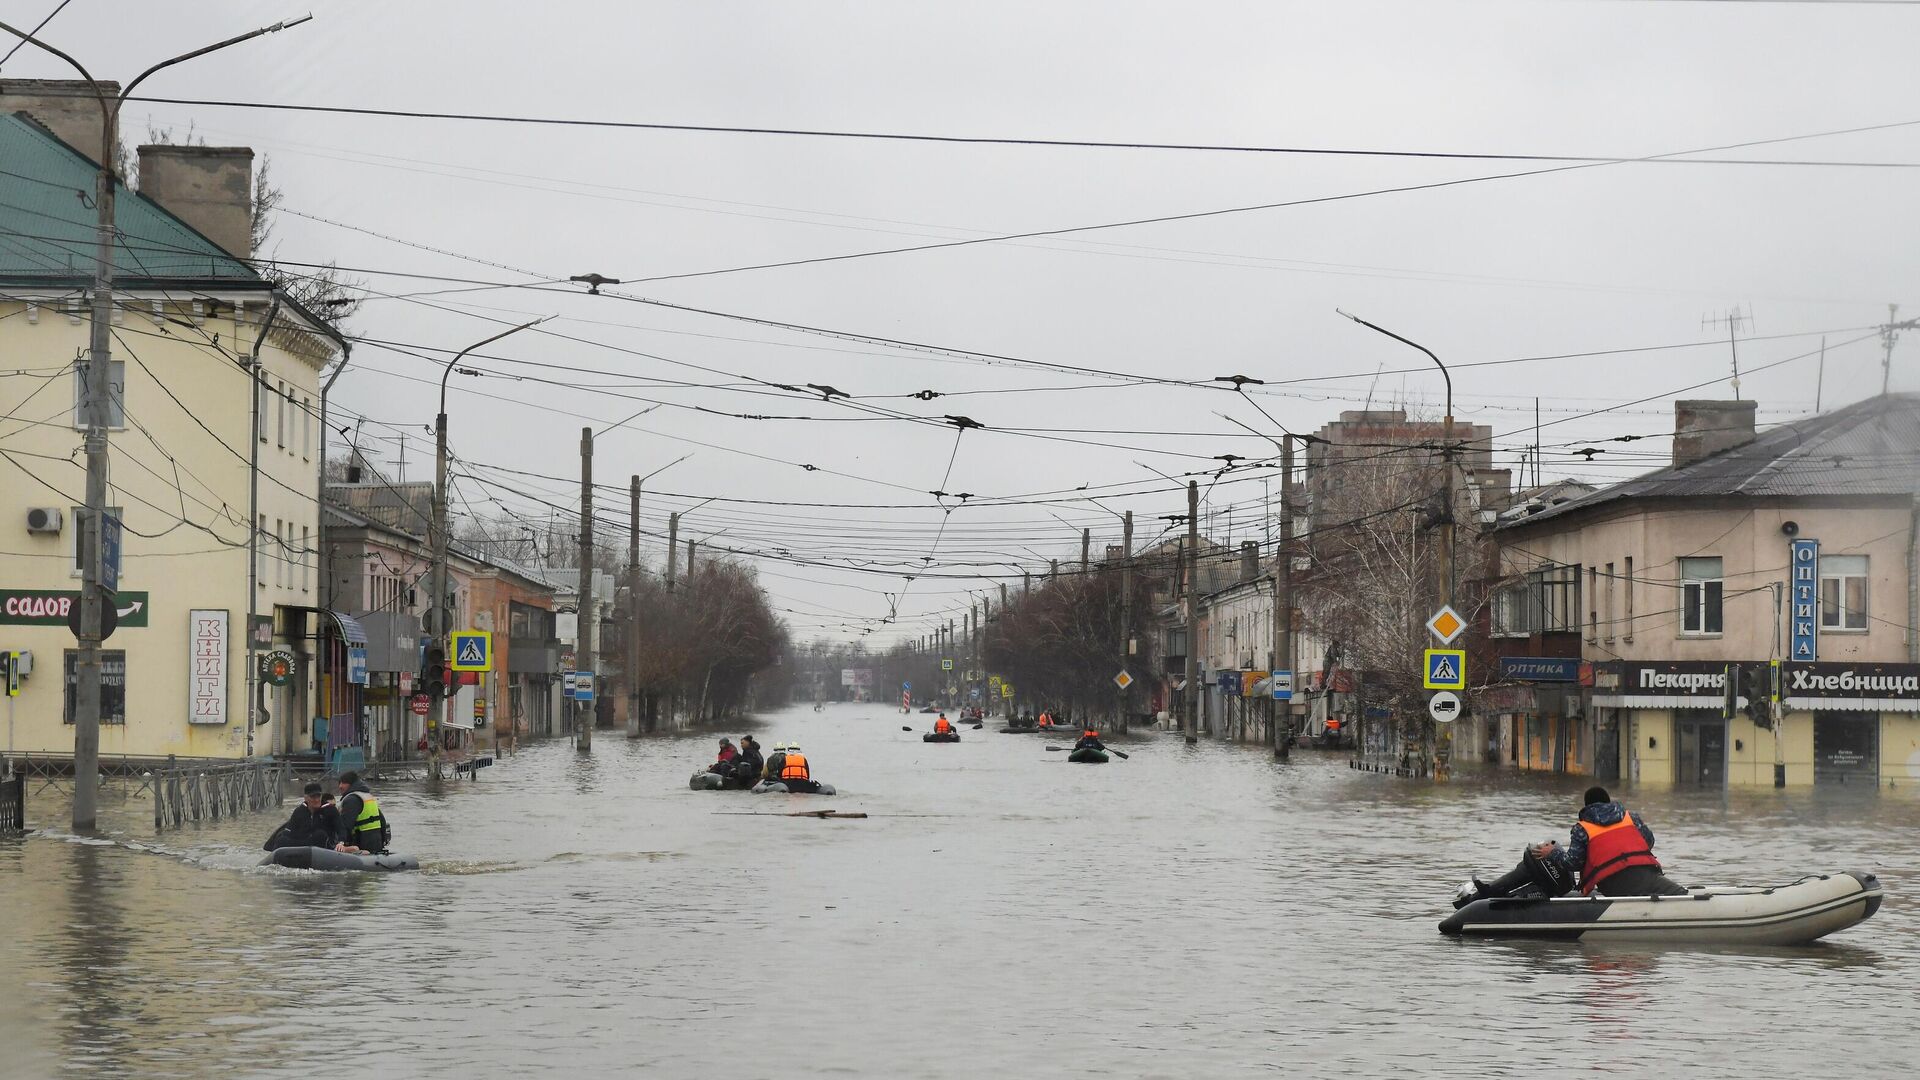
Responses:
[1865,721]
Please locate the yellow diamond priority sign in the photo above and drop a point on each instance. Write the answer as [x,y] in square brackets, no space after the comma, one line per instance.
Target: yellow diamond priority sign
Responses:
[1123,680]
[1446,624]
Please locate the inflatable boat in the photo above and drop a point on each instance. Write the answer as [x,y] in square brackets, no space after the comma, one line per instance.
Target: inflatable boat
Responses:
[934,736]
[1088,756]
[1019,729]
[319,858]
[776,787]
[713,781]
[1790,914]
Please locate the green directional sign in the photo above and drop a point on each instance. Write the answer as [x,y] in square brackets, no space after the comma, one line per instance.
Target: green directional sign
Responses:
[51,607]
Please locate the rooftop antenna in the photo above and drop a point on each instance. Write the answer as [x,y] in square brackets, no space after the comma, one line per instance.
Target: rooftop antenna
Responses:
[1733,318]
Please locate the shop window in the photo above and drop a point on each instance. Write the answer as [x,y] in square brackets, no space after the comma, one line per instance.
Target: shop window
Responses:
[1701,590]
[113,685]
[1843,592]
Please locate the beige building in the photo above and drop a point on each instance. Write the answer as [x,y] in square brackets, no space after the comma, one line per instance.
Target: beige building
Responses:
[188,313]
[1622,609]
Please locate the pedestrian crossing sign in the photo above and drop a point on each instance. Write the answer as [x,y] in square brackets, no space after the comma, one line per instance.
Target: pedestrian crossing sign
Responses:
[1446,669]
[471,650]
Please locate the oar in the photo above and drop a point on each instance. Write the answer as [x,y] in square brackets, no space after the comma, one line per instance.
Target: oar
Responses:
[1109,750]
[904,727]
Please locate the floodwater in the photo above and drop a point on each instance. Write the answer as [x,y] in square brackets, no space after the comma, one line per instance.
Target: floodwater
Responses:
[1186,913]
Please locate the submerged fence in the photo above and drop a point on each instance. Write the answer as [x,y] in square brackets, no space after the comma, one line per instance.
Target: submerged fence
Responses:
[186,794]
[13,803]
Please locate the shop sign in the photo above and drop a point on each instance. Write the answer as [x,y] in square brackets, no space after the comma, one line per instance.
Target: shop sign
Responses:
[1685,678]
[51,607]
[278,666]
[1805,595]
[208,666]
[357,664]
[1540,668]
[1832,680]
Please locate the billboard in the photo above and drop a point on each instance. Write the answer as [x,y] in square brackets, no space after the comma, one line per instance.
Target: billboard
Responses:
[857,678]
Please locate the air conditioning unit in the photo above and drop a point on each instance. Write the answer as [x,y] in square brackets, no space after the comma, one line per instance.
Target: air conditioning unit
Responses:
[45,519]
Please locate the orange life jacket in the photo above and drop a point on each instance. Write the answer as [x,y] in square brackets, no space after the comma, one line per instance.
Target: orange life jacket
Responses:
[795,767]
[1046,720]
[1611,849]
[942,726]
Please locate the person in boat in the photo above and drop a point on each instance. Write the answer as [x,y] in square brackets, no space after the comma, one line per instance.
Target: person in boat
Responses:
[751,763]
[943,726]
[1046,719]
[723,765]
[1610,849]
[362,826]
[776,761]
[1090,740]
[315,823]
[793,770]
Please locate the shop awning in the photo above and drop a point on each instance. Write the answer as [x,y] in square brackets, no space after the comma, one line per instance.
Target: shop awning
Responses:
[350,629]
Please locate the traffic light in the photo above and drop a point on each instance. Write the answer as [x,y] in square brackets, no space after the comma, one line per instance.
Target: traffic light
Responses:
[9,674]
[1731,702]
[435,678]
[1757,683]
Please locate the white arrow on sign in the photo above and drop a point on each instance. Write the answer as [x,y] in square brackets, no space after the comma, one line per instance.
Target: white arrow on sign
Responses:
[1444,707]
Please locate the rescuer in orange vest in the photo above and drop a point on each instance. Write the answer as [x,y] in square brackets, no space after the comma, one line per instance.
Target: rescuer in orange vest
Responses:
[1611,849]
[943,726]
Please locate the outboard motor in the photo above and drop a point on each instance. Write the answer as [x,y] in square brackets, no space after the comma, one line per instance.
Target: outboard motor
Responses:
[1551,878]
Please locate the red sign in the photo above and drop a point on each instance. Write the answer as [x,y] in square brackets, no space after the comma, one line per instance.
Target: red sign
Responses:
[406,682]
[422,704]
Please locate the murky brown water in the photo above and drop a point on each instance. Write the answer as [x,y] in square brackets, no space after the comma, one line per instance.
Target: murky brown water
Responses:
[1187,913]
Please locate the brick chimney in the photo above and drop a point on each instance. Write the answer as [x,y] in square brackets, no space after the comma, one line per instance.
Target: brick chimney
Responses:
[208,187]
[1704,428]
[66,107]
[1249,560]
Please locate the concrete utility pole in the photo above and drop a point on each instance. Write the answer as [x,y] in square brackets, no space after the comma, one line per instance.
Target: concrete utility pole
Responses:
[98,398]
[1126,614]
[255,688]
[1003,596]
[1193,612]
[673,546]
[1086,543]
[633,609]
[1283,650]
[585,638]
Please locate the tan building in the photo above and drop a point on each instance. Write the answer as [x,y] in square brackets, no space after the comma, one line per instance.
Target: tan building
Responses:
[188,312]
[1622,609]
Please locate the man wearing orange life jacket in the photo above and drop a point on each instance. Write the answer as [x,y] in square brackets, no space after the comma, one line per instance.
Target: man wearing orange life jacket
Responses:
[943,726]
[1045,721]
[1613,851]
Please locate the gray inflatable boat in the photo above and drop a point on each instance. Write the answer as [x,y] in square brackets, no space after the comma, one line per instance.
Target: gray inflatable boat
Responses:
[319,858]
[765,787]
[1791,914]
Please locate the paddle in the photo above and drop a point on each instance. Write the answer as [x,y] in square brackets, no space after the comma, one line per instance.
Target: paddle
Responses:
[1069,749]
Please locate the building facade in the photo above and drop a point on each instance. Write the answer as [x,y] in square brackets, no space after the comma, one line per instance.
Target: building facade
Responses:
[187,417]
[1622,610]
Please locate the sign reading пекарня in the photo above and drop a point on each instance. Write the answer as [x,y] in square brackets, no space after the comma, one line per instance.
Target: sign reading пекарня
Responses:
[50,607]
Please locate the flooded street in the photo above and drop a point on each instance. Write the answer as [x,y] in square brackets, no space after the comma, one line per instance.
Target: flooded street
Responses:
[1184,913]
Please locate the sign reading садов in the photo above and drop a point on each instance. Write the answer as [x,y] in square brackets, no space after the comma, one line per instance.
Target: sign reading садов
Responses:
[51,607]
[1804,566]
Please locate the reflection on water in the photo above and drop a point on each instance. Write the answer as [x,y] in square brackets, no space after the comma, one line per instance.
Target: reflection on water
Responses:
[1191,912]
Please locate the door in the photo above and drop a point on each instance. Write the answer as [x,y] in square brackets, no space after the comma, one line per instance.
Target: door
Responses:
[1606,746]
[1846,748]
[1700,758]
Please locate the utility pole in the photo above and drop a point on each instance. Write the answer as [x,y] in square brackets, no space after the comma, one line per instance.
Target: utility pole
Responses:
[633,609]
[1126,613]
[1193,612]
[1003,596]
[255,688]
[1026,582]
[1889,334]
[585,643]
[1086,542]
[1283,658]
[98,396]
[673,546]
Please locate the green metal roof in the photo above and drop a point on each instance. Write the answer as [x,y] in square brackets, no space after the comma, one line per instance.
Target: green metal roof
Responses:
[47,223]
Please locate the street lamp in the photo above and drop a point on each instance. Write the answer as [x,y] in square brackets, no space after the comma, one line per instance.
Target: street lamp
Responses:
[633,592]
[439,614]
[86,704]
[1446,461]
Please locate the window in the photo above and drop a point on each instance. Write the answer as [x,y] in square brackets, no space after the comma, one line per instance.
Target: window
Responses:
[260,409]
[1700,594]
[1843,592]
[1610,608]
[280,423]
[1629,584]
[1593,605]
[260,552]
[113,685]
[306,557]
[79,518]
[1556,595]
[306,429]
[1511,608]
[116,395]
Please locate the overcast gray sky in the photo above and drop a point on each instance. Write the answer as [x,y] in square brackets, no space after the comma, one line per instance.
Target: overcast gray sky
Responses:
[1615,257]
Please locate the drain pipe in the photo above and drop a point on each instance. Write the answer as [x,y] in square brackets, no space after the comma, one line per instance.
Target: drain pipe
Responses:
[1913,582]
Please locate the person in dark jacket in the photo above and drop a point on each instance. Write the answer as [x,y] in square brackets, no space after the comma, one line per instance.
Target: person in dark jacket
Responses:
[751,762]
[314,823]
[1611,850]
[1089,740]
[362,826]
